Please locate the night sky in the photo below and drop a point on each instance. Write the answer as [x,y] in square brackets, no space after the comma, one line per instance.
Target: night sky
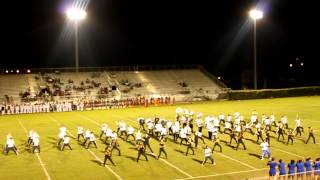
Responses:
[216,34]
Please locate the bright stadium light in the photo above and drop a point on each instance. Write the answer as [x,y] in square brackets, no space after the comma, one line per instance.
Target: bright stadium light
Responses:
[76,15]
[17,71]
[28,71]
[7,71]
[255,15]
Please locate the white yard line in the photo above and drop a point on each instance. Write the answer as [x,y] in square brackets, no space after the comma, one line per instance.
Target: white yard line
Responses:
[287,152]
[245,164]
[223,174]
[85,117]
[92,153]
[38,156]
[98,159]
[175,167]
[264,177]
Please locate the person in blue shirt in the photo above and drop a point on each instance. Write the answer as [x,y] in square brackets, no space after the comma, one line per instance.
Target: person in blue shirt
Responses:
[300,169]
[308,166]
[273,165]
[282,169]
[291,168]
[316,166]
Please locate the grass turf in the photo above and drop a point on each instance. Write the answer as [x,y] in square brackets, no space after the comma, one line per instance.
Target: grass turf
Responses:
[81,163]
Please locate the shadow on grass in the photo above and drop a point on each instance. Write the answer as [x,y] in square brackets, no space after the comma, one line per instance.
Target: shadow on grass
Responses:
[180,151]
[255,155]
[231,146]
[197,160]
[53,138]
[96,161]
[131,158]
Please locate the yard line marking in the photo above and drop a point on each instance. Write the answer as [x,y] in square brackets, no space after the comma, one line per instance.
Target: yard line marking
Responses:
[288,152]
[38,156]
[175,167]
[97,158]
[171,165]
[92,153]
[245,164]
[85,117]
[264,177]
[222,174]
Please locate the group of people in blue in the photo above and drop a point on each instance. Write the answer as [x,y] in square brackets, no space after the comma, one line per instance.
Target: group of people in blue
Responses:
[297,169]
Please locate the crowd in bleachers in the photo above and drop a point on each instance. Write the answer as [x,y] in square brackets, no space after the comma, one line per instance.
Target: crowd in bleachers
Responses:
[26,108]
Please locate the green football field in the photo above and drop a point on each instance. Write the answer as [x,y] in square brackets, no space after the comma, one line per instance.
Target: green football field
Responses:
[81,163]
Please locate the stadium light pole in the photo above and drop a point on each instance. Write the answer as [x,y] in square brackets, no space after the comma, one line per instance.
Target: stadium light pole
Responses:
[76,15]
[255,15]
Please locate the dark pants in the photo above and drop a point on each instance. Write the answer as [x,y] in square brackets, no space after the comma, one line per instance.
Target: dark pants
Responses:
[116,148]
[14,149]
[232,137]
[35,147]
[143,153]
[290,139]
[299,130]
[68,145]
[106,157]
[129,136]
[200,129]
[85,141]
[311,136]
[189,147]
[148,145]
[29,141]
[80,135]
[162,150]
[280,134]
[92,142]
[210,135]
[217,144]
[60,141]
[101,134]
[123,133]
[183,139]
[259,137]
[106,139]
[175,137]
[150,132]
[241,142]
[206,158]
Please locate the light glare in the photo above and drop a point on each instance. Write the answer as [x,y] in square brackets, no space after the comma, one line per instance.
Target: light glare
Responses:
[256,14]
[76,14]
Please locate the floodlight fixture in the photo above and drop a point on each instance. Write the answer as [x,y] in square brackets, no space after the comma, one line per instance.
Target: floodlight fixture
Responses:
[256,14]
[76,14]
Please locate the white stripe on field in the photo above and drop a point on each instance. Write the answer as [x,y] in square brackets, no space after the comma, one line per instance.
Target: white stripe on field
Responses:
[245,164]
[40,161]
[223,174]
[175,167]
[288,152]
[85,117]
[96,157]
